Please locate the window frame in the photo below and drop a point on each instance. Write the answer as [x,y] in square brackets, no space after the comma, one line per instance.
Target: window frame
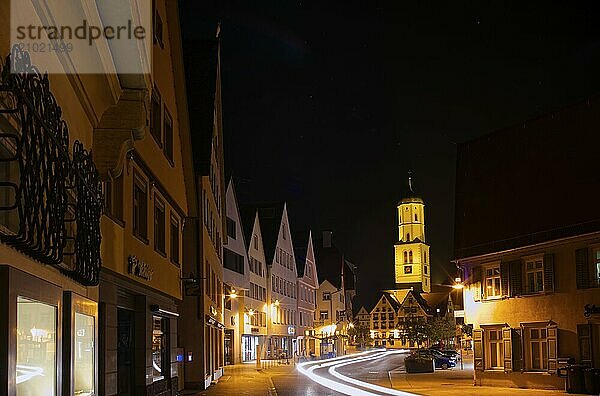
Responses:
[534,259]
[139,182]
[499,345]
[168,143]
[493,277]
[542,343]
[156,125]
[158,205]
[175,223]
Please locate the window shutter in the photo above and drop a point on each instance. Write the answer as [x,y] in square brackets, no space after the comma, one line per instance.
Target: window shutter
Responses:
[504,277]
[549,272]
[516,278]
[584,338]
[517,349]
[478,349]
[476,286]
[507,341]
[552,339]
[582,270]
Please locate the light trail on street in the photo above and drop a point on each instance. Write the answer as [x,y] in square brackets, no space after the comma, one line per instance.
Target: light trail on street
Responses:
[324,372]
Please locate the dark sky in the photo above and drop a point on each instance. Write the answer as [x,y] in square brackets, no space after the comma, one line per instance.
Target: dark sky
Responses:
[328,105]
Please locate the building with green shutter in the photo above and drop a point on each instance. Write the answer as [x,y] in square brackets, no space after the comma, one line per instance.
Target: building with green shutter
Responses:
[527,244]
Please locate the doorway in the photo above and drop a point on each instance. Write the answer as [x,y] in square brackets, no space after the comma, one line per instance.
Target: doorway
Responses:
[228,347]
[125,352]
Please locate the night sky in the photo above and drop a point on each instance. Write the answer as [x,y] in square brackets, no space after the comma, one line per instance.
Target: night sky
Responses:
[329,105]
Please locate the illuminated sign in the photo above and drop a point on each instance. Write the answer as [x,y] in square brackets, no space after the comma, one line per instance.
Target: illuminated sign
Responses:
[291,330]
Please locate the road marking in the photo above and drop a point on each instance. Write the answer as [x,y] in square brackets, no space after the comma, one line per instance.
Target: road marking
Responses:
[343,387]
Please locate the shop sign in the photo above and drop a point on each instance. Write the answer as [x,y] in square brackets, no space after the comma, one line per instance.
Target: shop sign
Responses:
[139,268]
[213,322]
[291,330]
[213,311]
[591,309]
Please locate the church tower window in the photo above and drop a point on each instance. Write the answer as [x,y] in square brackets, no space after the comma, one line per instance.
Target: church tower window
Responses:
[408,237]
[405,257]
[416,217]
[410,257]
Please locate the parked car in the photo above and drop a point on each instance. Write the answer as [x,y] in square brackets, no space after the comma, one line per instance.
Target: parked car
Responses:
[451,353]
[441,360]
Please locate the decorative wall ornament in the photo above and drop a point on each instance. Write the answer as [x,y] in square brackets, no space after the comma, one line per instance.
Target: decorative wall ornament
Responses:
[47,184]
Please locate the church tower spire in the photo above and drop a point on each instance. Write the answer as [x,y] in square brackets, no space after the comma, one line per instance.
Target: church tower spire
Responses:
[412,267]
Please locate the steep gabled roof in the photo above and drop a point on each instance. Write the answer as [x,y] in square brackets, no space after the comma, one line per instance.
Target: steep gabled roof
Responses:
[391,299]
[247,216]
[201,59]
[270,216]
[300,251]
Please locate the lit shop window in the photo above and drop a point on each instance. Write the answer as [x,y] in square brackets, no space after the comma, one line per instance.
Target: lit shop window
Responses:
[36,348]
[84,355]
[158,348]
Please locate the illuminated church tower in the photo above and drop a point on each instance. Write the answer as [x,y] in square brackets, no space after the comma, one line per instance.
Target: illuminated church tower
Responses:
[412,267]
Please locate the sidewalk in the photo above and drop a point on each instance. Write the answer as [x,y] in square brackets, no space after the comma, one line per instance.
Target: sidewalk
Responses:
[244,379]
[455,381]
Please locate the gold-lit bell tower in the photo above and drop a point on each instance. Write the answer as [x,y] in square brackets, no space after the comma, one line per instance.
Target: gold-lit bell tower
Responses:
[412,267]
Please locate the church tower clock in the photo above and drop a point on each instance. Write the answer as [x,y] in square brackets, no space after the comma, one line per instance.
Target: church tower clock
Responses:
[412,269]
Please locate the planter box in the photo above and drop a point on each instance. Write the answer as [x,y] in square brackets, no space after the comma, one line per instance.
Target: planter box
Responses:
[418,365]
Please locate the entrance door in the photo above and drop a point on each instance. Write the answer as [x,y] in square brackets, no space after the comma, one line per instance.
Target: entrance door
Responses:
[125,352]
[228,347]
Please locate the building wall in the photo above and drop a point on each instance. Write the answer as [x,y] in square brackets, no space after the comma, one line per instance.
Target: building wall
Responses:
[307,289]
[411,254]
[258,277]
[283,275]
[237,316]
[563,306]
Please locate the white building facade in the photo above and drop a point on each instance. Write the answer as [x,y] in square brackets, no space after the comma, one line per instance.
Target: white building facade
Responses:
[307,285]
[236,278]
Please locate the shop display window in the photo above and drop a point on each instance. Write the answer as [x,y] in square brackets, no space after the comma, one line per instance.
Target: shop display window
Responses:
[83,363]
[36,348]
[159,341]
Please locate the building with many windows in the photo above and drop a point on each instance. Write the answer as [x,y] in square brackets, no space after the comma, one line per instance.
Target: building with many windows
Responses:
[50,208]
[238,288]
[254,336]
[147,197]
[331,323]
[202,333]
[307,284]
[529,254]
[282,276]
[412,268]
[363,318]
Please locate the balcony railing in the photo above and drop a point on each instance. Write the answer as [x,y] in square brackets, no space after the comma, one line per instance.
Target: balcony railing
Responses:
[50,201]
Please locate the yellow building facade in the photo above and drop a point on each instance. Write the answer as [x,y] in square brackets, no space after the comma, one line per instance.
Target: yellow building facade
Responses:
[411,253]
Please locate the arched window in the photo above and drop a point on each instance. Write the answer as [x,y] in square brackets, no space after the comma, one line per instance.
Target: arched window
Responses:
[405,257]
[410,257]
[416,217]
[408,237]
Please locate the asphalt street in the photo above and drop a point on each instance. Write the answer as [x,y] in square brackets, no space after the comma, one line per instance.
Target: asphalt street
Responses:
[360,374]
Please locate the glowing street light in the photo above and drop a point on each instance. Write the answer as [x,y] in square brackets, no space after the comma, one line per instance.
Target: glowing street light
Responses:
[458,284]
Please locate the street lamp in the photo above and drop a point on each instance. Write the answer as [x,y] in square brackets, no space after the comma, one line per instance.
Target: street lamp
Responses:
[458,284]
